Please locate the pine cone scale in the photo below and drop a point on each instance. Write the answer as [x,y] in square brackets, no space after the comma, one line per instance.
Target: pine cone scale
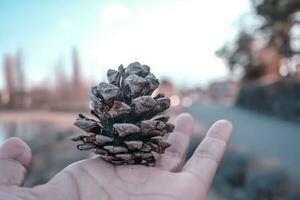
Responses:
[102,139]
[134,145]
[125,129]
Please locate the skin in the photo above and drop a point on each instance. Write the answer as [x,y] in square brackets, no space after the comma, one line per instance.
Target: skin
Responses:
[92,179]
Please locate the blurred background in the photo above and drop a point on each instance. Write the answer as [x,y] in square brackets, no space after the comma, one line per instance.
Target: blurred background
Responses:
[237,60]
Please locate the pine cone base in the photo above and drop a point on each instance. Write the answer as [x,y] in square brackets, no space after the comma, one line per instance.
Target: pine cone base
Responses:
[128,128]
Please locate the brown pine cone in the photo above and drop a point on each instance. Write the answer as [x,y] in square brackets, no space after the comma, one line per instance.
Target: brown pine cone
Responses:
[128,129]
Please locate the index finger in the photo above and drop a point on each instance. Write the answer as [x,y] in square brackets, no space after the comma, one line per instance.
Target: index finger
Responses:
[206,158]
[174,156]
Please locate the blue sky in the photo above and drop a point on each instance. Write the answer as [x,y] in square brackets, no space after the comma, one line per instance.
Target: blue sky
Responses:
[176,38]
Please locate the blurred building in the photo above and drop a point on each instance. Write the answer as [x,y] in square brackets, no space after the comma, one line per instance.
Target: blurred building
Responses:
[192,96]
[168,88]
[223,91]
[38,98]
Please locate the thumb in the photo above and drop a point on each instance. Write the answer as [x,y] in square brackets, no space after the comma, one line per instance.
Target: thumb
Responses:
[15,158]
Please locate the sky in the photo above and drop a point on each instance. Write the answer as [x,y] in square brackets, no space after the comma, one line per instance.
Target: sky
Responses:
[176,38]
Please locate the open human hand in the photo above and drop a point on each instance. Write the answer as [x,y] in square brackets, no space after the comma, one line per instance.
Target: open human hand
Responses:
[91,179]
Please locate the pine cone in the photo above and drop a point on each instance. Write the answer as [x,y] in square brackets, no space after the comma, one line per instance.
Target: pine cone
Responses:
[128,129]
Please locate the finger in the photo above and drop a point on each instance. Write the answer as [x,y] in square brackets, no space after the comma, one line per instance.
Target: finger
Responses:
[174,156]
[15,157]
[12,173]
[16,149]
[206,158]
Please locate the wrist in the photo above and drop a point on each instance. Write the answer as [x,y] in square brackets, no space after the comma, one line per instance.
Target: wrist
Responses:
[60,188]
[17,193]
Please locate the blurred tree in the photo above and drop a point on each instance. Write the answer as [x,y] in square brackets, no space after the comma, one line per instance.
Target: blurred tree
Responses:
[279,17]
[76,68]
[240,55]
[15,80]
[10,74]
[20,70]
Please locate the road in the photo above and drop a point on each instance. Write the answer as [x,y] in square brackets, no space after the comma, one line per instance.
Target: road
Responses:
[264,136]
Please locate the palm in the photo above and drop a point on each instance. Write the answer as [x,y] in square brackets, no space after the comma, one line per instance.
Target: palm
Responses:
[171,179]
[129,182]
